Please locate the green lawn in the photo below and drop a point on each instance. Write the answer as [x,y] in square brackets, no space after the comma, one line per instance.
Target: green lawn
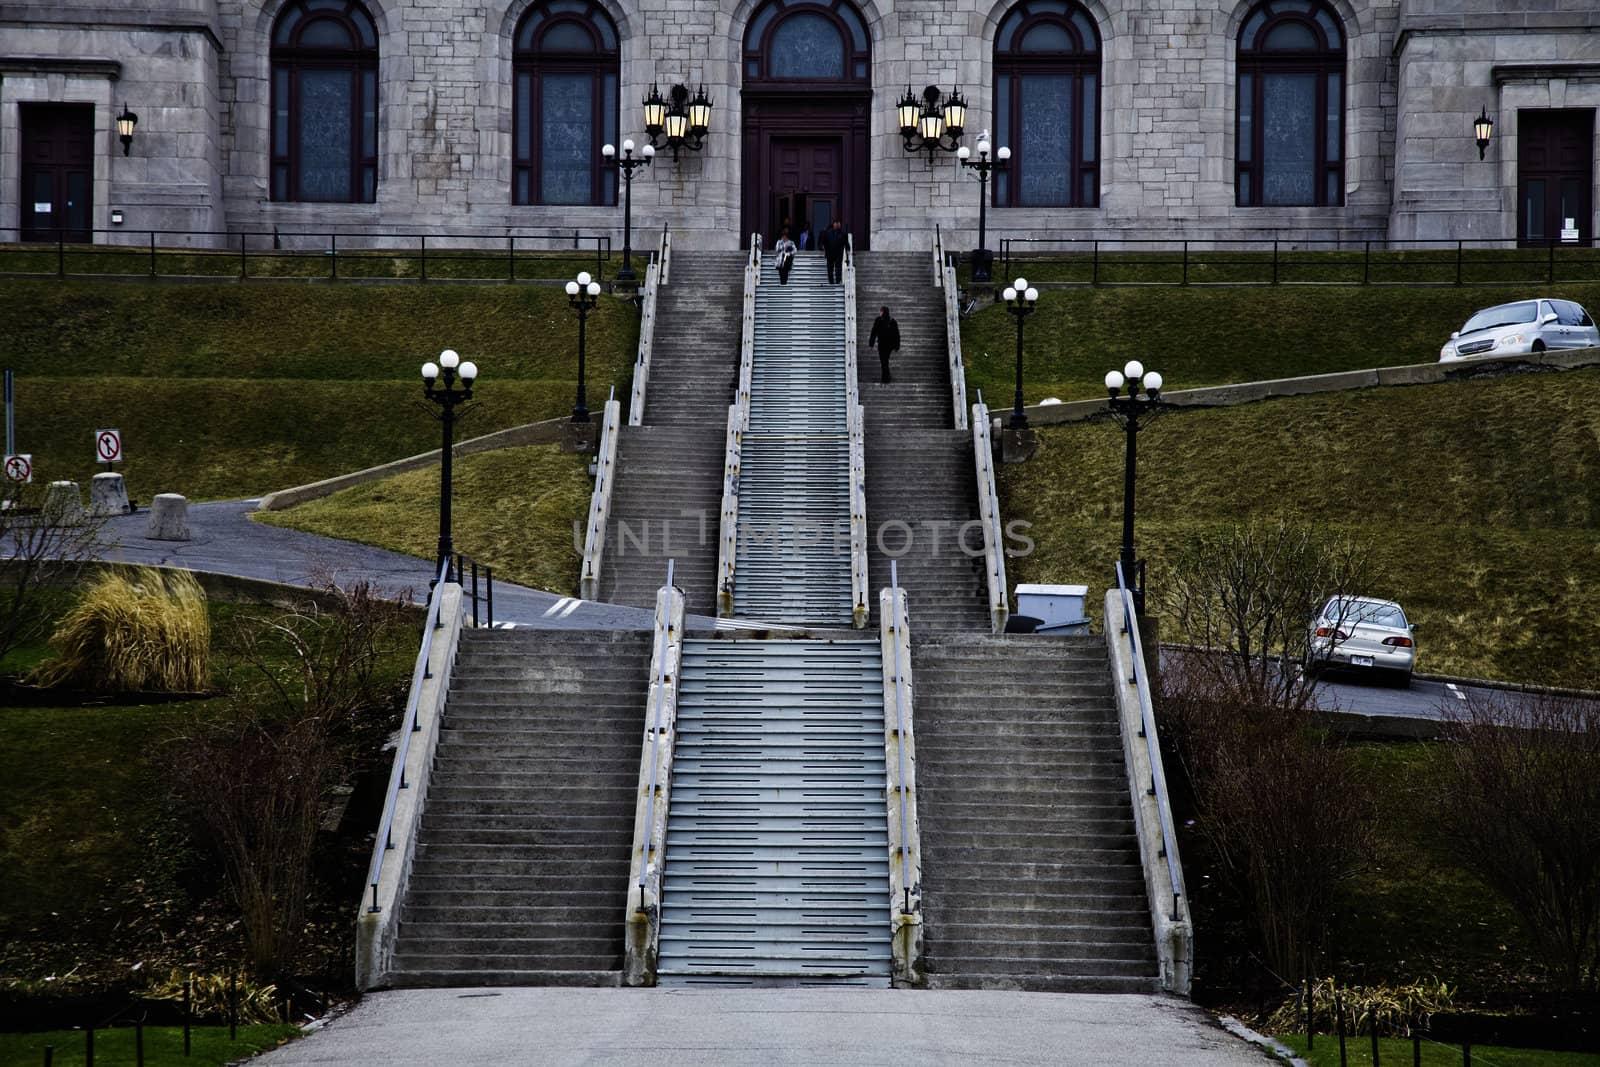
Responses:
[1199,337]
[1398,1052]
[163,1045]
[230,390]
[513,509]
[1480,500]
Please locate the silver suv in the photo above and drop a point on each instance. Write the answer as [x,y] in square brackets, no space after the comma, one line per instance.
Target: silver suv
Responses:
[1523,327]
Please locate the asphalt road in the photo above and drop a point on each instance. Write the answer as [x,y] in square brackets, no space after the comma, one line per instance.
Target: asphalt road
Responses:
[226,541]
[1423,700]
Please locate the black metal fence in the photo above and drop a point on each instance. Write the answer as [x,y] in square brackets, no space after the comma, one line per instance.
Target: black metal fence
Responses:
[307,254]
[1266,262]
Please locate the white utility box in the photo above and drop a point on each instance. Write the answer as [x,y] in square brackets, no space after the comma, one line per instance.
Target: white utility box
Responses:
[1059,608]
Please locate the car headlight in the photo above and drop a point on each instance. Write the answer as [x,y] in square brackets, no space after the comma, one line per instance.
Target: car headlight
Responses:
[1508,341]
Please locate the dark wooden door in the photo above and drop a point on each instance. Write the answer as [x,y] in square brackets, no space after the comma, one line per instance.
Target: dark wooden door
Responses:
[57,172]
[1555,175]
[807,173]
[806,158]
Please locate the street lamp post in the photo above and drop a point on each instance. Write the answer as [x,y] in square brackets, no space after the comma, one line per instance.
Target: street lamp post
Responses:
[582,295]
[982,259]
[1128,410]
[439,385]
[626,166]
[1019,300]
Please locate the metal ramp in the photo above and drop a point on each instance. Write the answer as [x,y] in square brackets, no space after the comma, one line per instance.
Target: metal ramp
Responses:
[793,549]
[777,858]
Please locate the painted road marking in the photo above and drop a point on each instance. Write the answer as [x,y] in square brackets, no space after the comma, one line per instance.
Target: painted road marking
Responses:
[570,608]
[1456,690]
[557,606]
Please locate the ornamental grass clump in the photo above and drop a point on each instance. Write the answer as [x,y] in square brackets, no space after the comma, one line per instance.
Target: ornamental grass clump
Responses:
[138,630]
[1395,1009]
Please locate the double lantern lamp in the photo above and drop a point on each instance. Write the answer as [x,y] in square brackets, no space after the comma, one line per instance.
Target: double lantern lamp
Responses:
[677,121]
[934,122]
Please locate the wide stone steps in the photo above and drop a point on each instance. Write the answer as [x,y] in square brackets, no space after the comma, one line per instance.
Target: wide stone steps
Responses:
[520,871]
[1032,877]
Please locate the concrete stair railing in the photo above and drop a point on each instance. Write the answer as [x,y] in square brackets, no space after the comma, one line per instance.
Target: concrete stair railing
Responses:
[605,478]
[944,277]
[900,763]
[994,547]
[738,425]
[647,336]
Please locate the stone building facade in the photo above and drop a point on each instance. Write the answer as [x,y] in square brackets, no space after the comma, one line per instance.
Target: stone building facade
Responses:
[1160,130]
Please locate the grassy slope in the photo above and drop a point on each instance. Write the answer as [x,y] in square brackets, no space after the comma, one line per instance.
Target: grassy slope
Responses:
[163,1045]
[1398,1051]
[1480,498]
[514,510]
[1198,337]
[230,390]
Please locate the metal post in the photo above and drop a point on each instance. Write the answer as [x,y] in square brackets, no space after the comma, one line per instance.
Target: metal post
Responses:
[188,1008]
[580,410]
[1094,278]
[626,273]
[446,546]
[423,248]
[1372,1026]
[1416,1048]
[1311,1017]
[1338,1020]
[1019,418]
[489,583]
[1274,262]
[475,622]
[1130,571]
[61,252]
[511,258]
[1466,1054]
[49,1055]
[152,253]
[233,1005]
[1185,263]
[1366,264]
[1458,262]
[1550,271]
[10,389]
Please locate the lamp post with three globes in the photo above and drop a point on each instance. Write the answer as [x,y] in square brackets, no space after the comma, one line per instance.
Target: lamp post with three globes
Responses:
[1128,410]
[1019,299]
[983,259]
[439,382]
[626,165]
[582,295]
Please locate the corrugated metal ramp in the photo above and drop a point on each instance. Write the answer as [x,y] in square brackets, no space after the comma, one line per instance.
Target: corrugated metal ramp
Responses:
[777,835]
[793,548]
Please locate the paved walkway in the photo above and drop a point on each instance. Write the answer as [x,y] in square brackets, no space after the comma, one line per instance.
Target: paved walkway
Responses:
[768,1028]
[227,541]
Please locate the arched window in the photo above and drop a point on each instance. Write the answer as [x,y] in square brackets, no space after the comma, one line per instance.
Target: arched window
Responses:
[1047,105]
[565,61]
[806,41]
[1291,106]
[325,103]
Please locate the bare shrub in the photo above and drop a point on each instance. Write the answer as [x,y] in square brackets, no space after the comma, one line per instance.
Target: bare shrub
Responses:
[1521,808]
[1285,809]
[134,630]
[35,553]
[1249,593]
[1395,1009]
[306,701]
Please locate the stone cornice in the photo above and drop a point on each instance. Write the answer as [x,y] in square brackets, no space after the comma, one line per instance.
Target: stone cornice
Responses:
[89,68]
[1523,72]
[32,13]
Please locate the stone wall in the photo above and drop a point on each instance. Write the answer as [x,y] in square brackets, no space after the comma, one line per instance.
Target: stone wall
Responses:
[197,72]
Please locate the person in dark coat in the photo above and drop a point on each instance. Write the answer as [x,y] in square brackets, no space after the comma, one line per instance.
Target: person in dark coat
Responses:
[885,337]
[783,256]
[833,244]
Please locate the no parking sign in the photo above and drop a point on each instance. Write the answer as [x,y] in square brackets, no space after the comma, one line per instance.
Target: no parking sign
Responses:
[19,468]
[108,446]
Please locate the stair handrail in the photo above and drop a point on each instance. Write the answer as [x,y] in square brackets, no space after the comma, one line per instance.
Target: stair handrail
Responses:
[738,425]
[605,479]
[666,253]
[376,928]
[994,553]
[894,631]
[855,420]
[647,334]
[952,333]
[938,257]
[655,775]
[1174,929]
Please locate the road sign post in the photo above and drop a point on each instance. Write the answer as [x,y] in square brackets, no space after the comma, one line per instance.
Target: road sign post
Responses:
[19,469]
[108,447]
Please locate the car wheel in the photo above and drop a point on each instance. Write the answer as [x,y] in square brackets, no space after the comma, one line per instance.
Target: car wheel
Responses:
[1538,346]
[1402,679]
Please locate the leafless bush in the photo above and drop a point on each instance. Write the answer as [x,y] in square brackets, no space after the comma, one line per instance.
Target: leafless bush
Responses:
[36,552]
[1520,806]
[1250,593]
[307,697]
[1284,808]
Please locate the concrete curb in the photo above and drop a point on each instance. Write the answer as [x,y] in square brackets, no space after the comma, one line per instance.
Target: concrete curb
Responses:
[1510,687]
[1269,1044]
[532,433]
[1338,382]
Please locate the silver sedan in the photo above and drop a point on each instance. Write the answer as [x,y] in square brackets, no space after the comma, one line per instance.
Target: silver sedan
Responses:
[1366,633]
[1520,328]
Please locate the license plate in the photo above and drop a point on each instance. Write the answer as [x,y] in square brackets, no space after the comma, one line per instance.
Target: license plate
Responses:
[1360,661]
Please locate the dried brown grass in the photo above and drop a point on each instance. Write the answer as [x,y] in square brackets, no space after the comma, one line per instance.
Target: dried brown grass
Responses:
[135,630]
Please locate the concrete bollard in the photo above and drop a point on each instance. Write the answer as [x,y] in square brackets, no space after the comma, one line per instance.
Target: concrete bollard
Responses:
[62,504]
[169,518]
[108,495]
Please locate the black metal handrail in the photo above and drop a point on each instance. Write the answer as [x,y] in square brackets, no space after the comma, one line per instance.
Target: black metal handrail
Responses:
[461,566]
[265,246]
[1457,262]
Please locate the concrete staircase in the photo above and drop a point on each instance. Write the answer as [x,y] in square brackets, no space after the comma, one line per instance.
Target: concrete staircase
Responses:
[1031,871]
[521,869]
[919,471]
[673,463]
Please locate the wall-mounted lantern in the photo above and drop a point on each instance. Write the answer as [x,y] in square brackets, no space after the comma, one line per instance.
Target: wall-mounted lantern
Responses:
[677,121]
[933,123]
[1482,128]
[125,124]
